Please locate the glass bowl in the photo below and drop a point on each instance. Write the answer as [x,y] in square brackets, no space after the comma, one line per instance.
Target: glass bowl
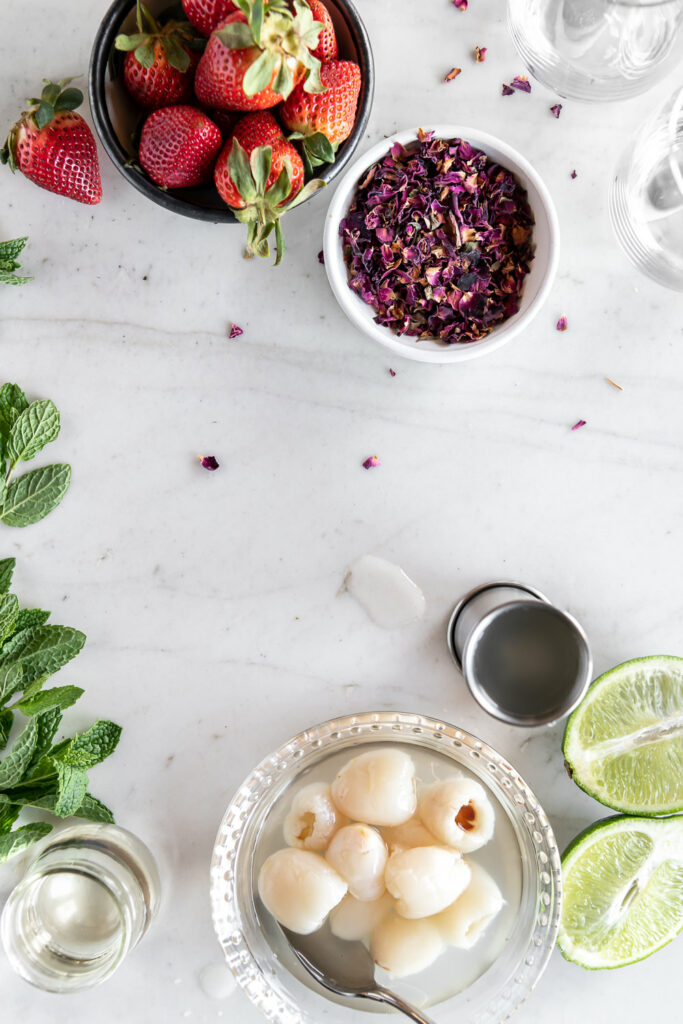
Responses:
[258,954]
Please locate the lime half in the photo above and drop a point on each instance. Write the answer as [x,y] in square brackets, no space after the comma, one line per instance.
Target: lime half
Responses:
[623,891]
[624,742]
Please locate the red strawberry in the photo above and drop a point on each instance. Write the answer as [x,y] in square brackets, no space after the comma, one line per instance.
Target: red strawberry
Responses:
[159,67]
[54,147]
[179,146]
[238,73]
[325,119]
[260,175]
[206,15]
[327,43]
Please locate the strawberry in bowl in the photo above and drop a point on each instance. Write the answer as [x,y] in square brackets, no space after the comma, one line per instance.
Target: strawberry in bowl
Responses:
[309,57]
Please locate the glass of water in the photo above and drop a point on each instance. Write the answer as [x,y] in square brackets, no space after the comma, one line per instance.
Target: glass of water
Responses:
[597,49]
[86,900]
[646,196]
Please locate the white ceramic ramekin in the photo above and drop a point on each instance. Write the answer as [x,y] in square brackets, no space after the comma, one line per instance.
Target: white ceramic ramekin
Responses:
[537,283]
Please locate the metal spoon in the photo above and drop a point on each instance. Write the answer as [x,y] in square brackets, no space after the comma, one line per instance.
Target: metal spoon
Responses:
[345,968]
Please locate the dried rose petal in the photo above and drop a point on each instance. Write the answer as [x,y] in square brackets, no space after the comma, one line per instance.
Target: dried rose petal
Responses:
[480,54]
[438,240]
[507,91]
[453,73]
[562,324]
[208,462]
[579,423]
[522,83]
[235,331]
[573,174]
[555,110]
[321,257]
[392,373]
[462,5]
[371,462]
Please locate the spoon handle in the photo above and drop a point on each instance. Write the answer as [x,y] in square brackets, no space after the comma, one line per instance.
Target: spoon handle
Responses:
[383,995]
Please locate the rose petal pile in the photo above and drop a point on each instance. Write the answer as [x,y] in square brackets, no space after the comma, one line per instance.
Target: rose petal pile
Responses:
[438,240]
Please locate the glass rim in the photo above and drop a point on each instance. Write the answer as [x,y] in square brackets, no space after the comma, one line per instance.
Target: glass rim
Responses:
[539,858]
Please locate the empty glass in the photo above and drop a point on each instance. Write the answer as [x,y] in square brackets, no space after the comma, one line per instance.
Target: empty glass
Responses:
[597,49]
[646,197]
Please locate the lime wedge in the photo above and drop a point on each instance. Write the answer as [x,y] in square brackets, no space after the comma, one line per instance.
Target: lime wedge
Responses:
[624,742]
[623,891]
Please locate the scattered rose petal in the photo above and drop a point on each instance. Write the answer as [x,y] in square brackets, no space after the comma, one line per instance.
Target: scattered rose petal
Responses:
[521,82]
[614,384]
[507,91]
[573,174]
[371,462]
[392,373]
[453,73]
[562,324]
[235,331]
[555,111]
[321,257]
[579,423]
[480,54]
[462,5]
[208,462]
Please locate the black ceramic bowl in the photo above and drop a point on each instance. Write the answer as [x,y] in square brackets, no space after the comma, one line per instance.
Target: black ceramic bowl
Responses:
[117,119]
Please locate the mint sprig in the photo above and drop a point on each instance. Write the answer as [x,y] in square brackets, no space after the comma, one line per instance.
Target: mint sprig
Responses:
[25,429]
[8,261]
[36,771]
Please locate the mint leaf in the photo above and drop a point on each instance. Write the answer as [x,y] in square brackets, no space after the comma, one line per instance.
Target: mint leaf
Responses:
[21,838]
[44,651]
[10,250]
[11,681]
[6,720]
[45,797]
[6,569]
[90,747]
[47,723]
[30,617]
[35,427]
[9,611]
[58,697]
[9,812]
[33,495]
[73,785]
[14,764]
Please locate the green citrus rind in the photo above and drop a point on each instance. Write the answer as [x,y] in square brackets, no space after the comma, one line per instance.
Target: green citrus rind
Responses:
[626,915]
[641,770]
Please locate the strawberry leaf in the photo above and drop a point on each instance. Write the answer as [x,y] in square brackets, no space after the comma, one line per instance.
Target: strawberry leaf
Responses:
[236,36]
[284,80]
[50,93]
[70,99]
[178,58]
[260,164]
[281,188]
[239,170]
[318,149]
[44,115]
[260,73]
[130,42]
[257,20]
[145,54]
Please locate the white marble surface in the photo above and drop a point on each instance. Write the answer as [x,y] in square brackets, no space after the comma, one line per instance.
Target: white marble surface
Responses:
[210,600]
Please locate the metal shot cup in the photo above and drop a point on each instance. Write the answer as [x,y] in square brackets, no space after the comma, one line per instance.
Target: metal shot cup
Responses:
[525,661]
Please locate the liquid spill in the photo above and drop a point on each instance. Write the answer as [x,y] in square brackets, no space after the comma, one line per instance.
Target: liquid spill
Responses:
[217,981]
[385,591]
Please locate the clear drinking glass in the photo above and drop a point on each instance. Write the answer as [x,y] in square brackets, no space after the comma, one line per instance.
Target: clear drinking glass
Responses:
[597,49]
[646,197]
[86,900]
